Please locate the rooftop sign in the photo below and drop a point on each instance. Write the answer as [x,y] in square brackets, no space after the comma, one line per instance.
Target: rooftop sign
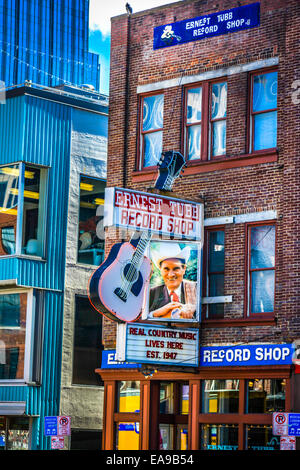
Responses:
[215,24]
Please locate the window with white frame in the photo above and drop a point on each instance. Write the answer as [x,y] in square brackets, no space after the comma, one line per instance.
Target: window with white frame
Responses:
[205,119]
[151,129]
[215,270]
[91,214]
[263,110]
[261,269]
[23,191]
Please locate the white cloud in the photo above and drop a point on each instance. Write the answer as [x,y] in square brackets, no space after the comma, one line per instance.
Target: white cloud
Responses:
[102,10]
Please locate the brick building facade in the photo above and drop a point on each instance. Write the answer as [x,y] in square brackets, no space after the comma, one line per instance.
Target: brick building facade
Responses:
[249,188]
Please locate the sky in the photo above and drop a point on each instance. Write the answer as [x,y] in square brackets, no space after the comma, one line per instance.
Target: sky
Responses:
[99,41]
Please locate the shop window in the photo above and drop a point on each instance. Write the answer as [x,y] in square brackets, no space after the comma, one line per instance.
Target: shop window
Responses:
[87,343]
[19,323]
[14,433]
[151,132]
[260,438]
[184,396]
[128,397]
[23,193]
[219,437]
[266,395]
[127,432]
[261,269]
[220,396]
[173,415]
[205,121]
[263,119]
[166,398]
[9,187]
[215,268]
[127,436]
[2,432]
[166,436]
[91,213]
[182,437]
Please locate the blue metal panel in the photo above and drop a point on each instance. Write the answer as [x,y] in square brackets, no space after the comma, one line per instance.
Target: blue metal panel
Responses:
[19,393]
[43,400]
[43,130]
[39,132]
[12,129]
[51,368]
[8,268]
[47,133]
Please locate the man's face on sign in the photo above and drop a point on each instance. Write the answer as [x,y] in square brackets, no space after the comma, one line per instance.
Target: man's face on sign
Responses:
[172,271]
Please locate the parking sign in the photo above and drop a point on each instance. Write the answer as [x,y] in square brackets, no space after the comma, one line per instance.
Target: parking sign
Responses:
[280,424]
[57,425]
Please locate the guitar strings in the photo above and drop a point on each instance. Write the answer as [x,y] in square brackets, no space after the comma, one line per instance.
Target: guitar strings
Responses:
[133,266]
[130,275]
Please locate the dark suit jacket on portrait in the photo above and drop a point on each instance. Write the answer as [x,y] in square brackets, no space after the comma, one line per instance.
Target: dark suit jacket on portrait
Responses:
[159,296]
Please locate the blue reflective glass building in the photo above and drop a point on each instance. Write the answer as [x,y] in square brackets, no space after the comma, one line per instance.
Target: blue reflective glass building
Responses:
[46,41]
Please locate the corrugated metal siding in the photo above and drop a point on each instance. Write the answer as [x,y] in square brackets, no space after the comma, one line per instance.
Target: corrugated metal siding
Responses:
[42,129]
[51,365]
[8,268]
[43,132]
[47,142]
[12,129]
[19,393]
[43,400]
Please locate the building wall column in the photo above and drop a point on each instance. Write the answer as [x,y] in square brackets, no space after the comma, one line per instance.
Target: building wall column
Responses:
[193,426]
[108,415]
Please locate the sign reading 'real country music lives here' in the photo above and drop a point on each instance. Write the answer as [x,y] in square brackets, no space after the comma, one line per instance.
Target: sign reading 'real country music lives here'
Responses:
[214,24]
[152,344]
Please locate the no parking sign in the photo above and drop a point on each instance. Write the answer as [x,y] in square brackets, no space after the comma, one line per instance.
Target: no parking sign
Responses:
[280,424]
[57,425]
[64,425]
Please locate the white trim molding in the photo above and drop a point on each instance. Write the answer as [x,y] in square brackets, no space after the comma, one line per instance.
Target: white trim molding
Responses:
[221,299]
[241,218]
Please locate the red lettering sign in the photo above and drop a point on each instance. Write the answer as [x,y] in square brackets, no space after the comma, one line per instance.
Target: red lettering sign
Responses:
[137,210]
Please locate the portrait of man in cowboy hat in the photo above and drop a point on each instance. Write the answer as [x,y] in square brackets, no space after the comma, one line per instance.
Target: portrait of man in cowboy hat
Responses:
[175,297]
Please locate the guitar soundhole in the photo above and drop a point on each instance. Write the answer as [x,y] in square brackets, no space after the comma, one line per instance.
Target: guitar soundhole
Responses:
[130,273]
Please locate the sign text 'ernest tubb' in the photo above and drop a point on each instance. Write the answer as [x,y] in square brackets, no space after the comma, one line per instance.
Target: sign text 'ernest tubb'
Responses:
[146,211]
[214,24]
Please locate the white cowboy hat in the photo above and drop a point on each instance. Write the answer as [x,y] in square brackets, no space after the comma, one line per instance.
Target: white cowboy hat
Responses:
[167,250]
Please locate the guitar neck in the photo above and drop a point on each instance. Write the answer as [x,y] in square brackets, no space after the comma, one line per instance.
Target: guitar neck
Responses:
[141,247]
[169,183]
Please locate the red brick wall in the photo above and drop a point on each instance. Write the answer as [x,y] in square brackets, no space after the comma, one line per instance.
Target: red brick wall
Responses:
[244,189]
